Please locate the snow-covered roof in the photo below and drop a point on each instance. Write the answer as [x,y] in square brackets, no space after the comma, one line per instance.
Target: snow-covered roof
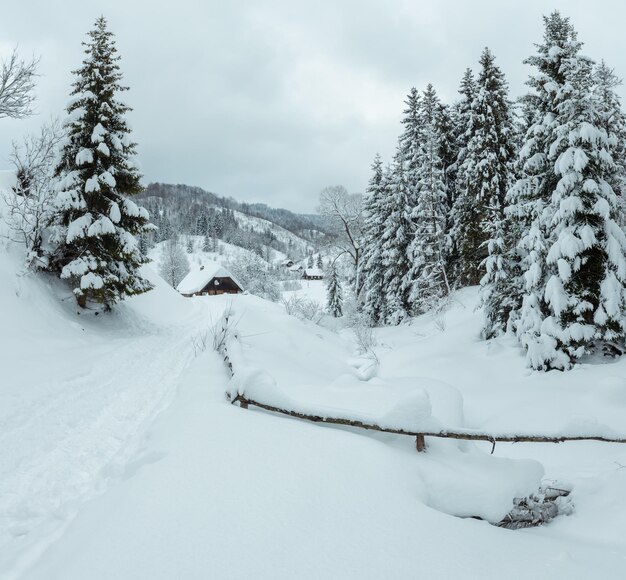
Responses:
[313,272]
[199,277]
[296,267]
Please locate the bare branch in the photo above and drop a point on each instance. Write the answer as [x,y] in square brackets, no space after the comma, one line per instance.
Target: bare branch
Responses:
[344,212]
[29,202]
[464,434]
[17,82]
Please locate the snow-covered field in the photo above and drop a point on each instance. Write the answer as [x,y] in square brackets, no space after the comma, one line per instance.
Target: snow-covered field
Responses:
[121,457]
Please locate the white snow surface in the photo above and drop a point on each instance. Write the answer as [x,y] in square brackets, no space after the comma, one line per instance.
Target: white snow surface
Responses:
[122,458]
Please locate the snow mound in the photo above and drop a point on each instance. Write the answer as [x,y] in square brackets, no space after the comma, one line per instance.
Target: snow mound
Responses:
[413,413]
[259,385]
[475,484]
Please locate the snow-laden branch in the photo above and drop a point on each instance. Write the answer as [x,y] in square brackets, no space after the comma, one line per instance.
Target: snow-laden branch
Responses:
[17,82]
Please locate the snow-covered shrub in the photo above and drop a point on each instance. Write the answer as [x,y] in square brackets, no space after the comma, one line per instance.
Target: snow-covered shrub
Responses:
[291,285]
[200,342]
[303,309]
[439,311]
[255,276]
[28,203]
[538,508]
[222,330]
[360,323]
[365,339]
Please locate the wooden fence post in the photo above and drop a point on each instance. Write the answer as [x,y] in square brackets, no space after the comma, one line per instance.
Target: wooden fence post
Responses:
[420,444]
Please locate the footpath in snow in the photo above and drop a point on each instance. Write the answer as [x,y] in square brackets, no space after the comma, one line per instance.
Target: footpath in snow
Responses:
[217,491]
[78,393]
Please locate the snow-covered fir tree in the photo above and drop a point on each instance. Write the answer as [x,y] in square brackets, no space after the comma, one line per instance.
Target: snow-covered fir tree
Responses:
[462,112]
[372,268]
[461,119]
[614,123]
[574,262]
[486,170]
[94,223]
[395,239]
[448,148]
[409,142]
[427,280]
[334,295]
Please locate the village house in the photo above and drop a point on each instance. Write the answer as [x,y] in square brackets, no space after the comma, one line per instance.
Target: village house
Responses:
[312,274]
[209,279]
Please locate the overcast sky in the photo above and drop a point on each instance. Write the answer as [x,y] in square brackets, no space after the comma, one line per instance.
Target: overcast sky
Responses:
[273,100]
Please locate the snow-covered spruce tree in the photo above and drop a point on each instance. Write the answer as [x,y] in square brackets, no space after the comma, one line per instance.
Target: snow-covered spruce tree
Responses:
[333,292]
[448,151]
[532,192]
[575,265]
[173,263]
[614,123]
[94,224]
[462,113]
[372,269]
[409,142]
[427,279]
[461,120]
[486,170]
[395,240]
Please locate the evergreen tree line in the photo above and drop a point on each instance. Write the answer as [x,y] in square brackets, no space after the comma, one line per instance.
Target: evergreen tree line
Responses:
[524,199]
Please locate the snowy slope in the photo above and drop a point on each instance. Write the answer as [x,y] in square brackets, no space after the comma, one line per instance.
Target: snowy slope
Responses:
[260,225]
[77,391]
[217,491]
[199,257]
[121,457]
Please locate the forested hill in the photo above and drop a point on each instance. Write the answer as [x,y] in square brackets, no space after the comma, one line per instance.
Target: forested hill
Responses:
[189,210]
[307,226]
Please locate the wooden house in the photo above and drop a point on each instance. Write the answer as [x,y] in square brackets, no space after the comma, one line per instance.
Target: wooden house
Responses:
[312,274]
[209,280]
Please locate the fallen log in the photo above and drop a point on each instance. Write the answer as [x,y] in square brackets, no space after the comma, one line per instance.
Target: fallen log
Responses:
[462,434]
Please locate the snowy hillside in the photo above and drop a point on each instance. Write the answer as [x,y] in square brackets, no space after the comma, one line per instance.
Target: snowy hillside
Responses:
[187,210]
[122,457]
[424,380]
[299,245]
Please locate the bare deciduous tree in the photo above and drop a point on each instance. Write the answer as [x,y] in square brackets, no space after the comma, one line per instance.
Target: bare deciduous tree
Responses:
[17,81]
[173,264]
[344,212]
[29,202]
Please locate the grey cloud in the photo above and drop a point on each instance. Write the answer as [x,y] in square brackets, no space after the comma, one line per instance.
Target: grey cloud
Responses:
[271,101]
